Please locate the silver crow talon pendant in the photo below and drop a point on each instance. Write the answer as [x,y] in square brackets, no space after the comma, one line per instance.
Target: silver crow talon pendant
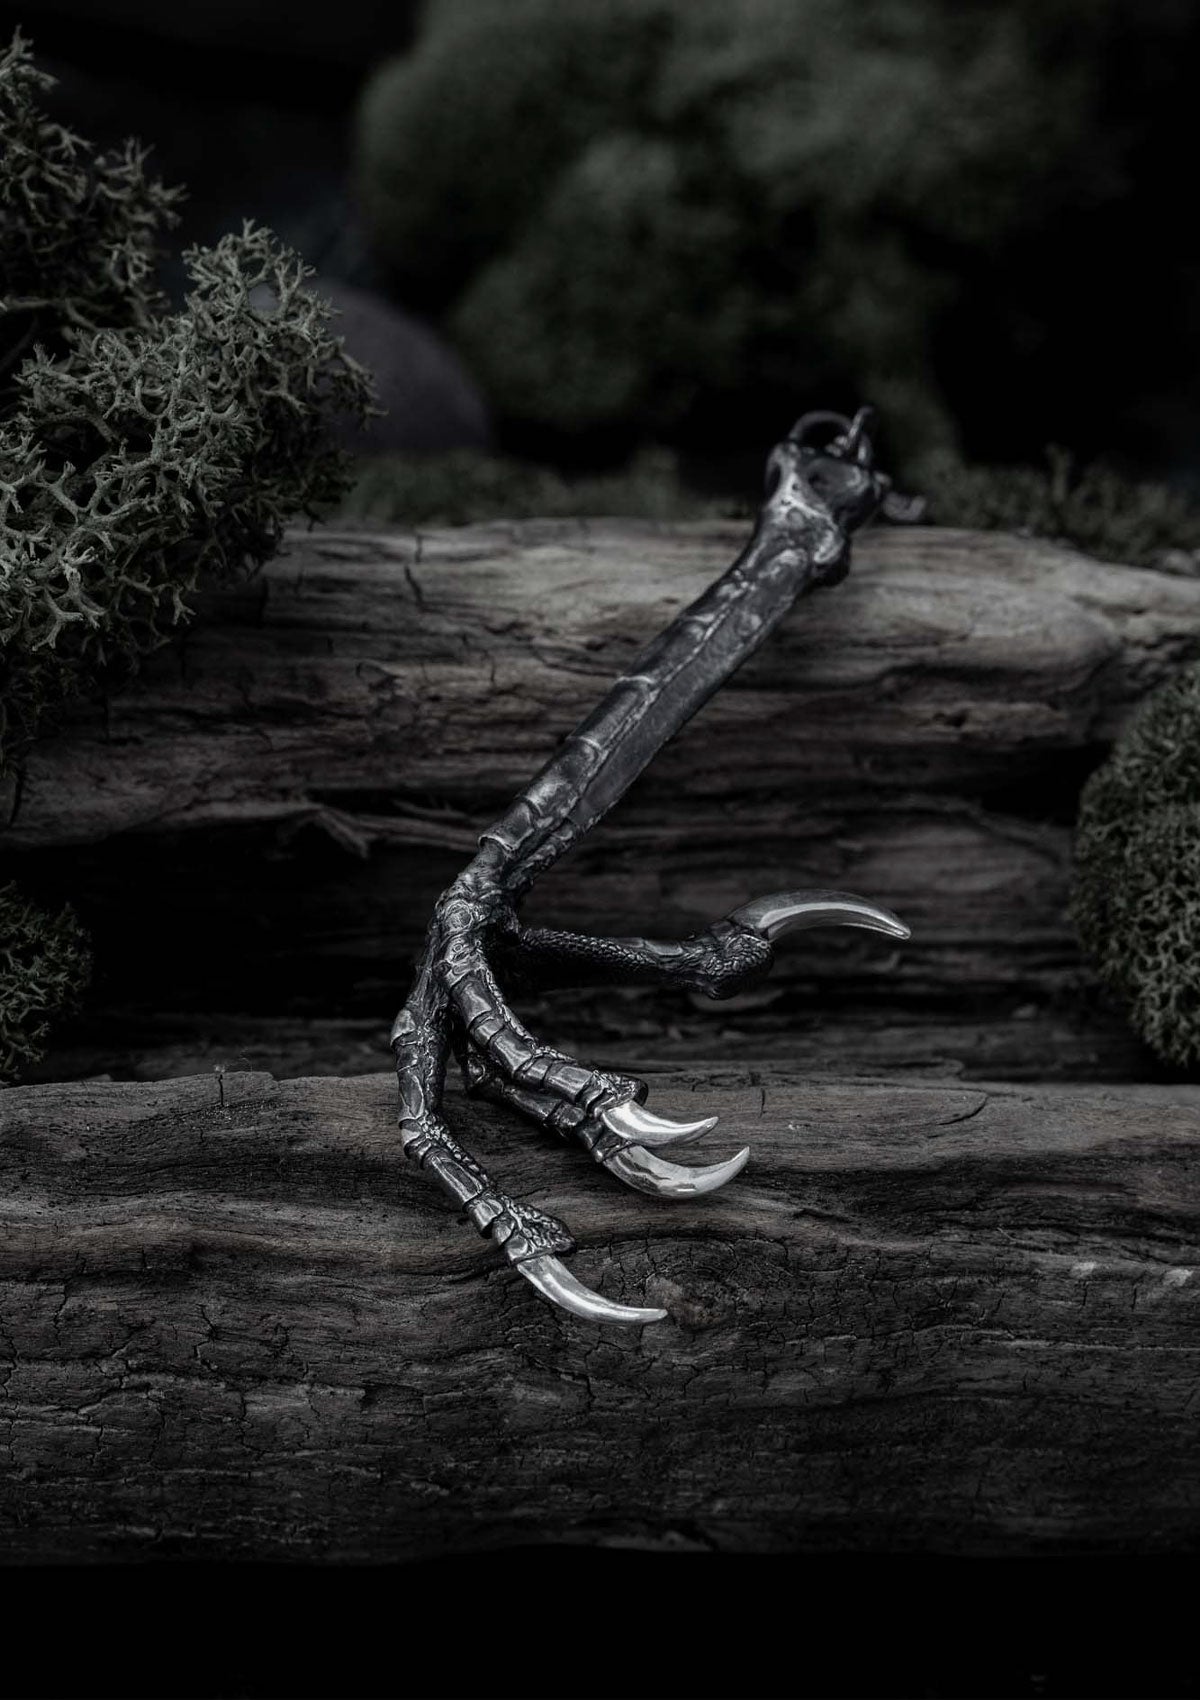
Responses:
[821,486]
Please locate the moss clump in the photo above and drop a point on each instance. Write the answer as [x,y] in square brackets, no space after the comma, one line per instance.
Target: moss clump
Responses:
[44,965]
[1136,896]
[466,485]
[638,212]
[1095,508]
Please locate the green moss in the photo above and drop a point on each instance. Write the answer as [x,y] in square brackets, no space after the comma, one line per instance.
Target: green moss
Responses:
[579,358]
[1095,508]
[466,486]
[1136,898]
[45,965]
[460,142]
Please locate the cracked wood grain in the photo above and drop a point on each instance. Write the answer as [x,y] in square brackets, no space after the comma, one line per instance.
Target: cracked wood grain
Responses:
[929,1317]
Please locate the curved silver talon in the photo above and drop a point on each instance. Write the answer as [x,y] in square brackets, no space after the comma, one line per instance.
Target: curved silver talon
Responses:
[794,911]
[554,1281]
[635,1125]
[640,1168]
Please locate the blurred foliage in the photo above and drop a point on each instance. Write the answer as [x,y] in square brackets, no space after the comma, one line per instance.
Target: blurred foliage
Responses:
[467,485]
[1137,869]
[645,215]
[139,449]
[44,965]
[1097,509]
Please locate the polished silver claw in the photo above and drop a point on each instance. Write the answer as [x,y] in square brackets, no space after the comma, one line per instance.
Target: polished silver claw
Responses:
[642,1169]
[635,1125]
[554,1281]
[792,911]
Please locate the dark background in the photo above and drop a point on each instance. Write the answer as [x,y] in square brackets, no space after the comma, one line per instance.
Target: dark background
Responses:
[250,106]
[570,1622]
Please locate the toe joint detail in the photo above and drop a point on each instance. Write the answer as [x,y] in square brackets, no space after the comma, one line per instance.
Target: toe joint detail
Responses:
[730,959]
[521,1231]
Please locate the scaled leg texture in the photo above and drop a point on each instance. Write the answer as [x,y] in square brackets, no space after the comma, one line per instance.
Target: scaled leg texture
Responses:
[821,486]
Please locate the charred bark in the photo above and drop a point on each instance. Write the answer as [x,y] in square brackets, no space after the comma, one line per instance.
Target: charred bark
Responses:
[928,1317]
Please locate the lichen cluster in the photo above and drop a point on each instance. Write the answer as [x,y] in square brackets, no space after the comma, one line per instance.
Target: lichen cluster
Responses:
[141,450]
[145,459]
[45,963]
[1137,869]
[78,229]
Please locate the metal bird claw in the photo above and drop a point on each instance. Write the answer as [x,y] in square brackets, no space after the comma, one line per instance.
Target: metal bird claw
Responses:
[819,492]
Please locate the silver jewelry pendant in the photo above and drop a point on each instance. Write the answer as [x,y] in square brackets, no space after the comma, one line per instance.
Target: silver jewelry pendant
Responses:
[821,486]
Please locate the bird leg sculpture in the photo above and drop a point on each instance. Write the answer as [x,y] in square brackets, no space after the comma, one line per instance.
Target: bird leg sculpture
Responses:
[817,494]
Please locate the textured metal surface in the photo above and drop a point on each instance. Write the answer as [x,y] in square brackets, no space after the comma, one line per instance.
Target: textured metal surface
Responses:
[821,485]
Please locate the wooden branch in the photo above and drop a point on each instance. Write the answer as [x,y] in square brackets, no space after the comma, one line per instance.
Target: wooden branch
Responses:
[929,1317]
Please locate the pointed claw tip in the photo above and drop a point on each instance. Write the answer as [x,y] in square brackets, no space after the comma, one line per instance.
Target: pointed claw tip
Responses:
[550,1277]
[740,1159]
[792,911]
[640,1168]
[636,1125]
[887,923]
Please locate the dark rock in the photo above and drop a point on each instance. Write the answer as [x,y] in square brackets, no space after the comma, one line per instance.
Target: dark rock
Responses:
[431,401]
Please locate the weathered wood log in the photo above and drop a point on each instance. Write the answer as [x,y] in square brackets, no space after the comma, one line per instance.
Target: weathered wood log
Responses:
[287,789]
[398,667]
[928,1317]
